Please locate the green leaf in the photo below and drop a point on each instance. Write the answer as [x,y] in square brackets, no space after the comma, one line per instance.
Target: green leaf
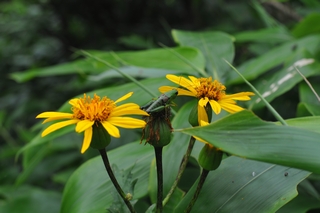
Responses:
[307,199]
[253,68]
[309,123]
[268,35]
[302,111]
[215,46]
[141,63]
[245,135]
[309,25]
[283,80]
[26,199]
[88,189]
[127,185]
[307,95]
[253,186]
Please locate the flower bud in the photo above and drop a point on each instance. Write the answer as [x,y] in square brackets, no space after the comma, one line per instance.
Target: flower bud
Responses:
[158,129]
[100,137]
[210,157]
[193,116]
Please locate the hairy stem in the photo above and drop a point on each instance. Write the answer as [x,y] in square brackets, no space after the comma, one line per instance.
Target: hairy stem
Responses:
[203,177]
[158,153]
[181,170]
[114,180]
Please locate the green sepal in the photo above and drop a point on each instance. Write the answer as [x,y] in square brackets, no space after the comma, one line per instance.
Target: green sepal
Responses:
[210,157]
[158,131]
[100,137]
[193,116]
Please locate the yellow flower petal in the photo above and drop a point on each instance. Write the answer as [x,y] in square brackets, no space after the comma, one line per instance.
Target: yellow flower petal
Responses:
[203,101]
[202,115]
[202,123]
[185,92]
[53,119]
[241,96]
[124,97]
[58,115]
[74,101]
[111,129]
[182,81]
[215,106]
[128,109]
[127,122]
[83,125]
[231,108]
[194,80]
[57,126]
[86,140]
[164,89]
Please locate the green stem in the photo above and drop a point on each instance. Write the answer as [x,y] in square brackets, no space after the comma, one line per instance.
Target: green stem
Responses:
[203,177]
[114,180]
[158,153]
[272,110]
[181,170]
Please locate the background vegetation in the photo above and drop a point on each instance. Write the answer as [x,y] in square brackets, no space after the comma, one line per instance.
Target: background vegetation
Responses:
[267,37]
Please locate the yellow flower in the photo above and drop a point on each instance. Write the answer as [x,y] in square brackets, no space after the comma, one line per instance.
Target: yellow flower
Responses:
[207,91]
[95,111]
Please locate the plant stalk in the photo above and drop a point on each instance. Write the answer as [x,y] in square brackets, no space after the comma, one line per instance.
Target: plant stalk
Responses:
[106,163]
[181,170]
[158,153]
[203,177]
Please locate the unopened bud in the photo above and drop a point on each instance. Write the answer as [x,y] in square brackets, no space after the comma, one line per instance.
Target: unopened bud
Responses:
[158,129]
[210,157]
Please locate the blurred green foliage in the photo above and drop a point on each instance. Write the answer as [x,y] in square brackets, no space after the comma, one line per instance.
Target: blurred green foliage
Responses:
[264,39]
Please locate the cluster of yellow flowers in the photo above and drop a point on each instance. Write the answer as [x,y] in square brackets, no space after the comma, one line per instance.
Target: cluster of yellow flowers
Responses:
[93,112]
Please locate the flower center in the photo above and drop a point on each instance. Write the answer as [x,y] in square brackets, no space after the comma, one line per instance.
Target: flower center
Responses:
[93,109]
[213,90]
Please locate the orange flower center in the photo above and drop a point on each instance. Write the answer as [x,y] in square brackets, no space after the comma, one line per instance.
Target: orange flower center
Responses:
[213,90]
[93,109]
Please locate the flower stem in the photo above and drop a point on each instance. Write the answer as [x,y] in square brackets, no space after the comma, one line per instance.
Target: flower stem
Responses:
[203,177]
[114,180]
[158,153]
[181,170]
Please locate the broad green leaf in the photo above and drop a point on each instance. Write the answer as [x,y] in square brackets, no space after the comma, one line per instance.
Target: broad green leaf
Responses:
[241,185]
[309,123]
[314,109]
[215,46]
[141,63]
[283,80]
[139,97]
[245,135]
[253,68]
[26,199]
[302,110]
[268,35]
[309,25]
[89,189]
[307,95]
[307,199]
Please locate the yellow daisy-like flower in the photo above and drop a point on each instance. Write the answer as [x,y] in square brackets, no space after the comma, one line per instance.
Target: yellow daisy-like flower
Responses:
[207,91]
[95,111]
